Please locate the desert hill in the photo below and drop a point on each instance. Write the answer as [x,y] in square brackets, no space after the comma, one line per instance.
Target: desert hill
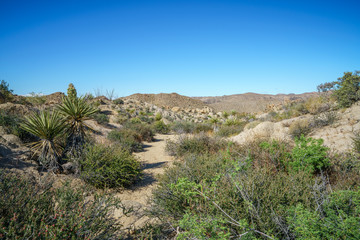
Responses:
[168,100]
[250,102]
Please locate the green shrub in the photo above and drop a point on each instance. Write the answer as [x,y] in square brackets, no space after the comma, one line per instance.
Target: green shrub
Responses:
[101,118]
[229,130]
[109,167]
[161,127]
[324,119]
[253,191]
[309,155]
[144,131]
[202,128]
[35,99]
[126,138]
[183,127]
[158,117]
[146,119]
[135,120]
[347,89]
[12,123]
[5,91]
[299,127]
[29,210]
[335,218]
[356,142]
[118,101]
[198,144]
[228,188]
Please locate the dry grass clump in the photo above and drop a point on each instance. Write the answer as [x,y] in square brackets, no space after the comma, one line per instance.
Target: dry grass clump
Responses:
[299,127]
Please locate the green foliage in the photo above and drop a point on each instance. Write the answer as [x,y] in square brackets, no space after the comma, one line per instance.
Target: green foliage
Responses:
[299,127]
[190,127]
[198,144]
[118,101]
[71,92]
[227,131]
[337,218]
[75,112]
[29,210]
[245,193]
[309,155]
[161,127]
[109,167]
[126,138]
[101,118]
[49,128]
[183,127]
[225,114]
[347,89]
[324,119]
[356,142]
[158,117]
[35,99]
[135,120]
[5,90]
[196,227]
[12,125]
[143,130]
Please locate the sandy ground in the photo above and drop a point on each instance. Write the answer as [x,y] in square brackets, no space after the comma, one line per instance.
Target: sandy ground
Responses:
[154,160]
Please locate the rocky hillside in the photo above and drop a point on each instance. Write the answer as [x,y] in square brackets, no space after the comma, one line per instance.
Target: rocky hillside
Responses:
[250,102]
[338,134]
[169,100]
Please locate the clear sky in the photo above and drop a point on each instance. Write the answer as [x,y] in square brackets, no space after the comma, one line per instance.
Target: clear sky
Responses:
[194,48]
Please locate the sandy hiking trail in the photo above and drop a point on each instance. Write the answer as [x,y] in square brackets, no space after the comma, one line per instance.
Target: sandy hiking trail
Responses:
[154,160]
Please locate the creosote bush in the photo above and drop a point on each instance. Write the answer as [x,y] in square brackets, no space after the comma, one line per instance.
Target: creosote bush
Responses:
[299,127]
[198,144]
[161,127]
[109,167]
[32,210]
[12,125]
[259,190]
[101,118]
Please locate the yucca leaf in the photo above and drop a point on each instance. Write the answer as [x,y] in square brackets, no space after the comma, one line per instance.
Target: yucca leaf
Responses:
[49,127]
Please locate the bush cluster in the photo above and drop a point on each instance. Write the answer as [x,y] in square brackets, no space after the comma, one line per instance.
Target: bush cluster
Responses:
[101,118]
[12,125]
[32,210]
[259,190]
[109,167]
[201,143]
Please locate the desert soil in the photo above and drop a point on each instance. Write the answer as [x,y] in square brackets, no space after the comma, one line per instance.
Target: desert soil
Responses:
[154,160]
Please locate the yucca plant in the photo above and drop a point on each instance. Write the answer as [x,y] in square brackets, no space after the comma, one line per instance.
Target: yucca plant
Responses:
[75,111]
[49,127]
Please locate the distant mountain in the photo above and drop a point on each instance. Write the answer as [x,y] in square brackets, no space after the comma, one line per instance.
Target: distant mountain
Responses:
[169,100]
[250,102]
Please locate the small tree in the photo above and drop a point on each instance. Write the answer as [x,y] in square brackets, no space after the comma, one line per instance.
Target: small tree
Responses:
[71,92]
[347,89]
[5,91]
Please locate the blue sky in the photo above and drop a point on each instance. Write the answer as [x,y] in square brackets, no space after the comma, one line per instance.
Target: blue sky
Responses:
[194,48]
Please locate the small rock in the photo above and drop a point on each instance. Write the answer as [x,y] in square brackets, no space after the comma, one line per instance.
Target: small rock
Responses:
[69,168]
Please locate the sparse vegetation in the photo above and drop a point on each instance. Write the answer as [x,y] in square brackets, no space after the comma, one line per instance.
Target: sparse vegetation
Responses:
[33,210]
[101,118]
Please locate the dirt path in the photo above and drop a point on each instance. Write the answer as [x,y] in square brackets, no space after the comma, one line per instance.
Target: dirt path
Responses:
[154,160]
